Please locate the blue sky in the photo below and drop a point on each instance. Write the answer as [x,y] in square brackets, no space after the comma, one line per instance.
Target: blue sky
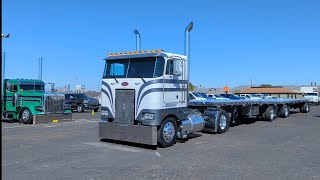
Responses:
[233,42]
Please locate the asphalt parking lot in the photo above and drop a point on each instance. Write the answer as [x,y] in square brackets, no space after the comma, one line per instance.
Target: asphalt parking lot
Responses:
[284,149]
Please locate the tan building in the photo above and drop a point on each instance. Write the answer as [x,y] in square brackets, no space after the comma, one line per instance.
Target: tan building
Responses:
[276,91]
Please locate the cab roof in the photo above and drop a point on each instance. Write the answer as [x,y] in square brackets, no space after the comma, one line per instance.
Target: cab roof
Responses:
[143,54]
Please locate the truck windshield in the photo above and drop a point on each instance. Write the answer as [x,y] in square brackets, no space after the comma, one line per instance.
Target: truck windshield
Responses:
[32,87]
[311,94]
[134,68]
[81,96]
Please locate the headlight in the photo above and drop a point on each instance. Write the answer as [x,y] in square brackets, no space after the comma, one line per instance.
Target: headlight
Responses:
[85,101]
[104,113]
[148,116]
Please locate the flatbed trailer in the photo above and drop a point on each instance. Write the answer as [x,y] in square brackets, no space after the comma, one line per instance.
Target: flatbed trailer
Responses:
[237,110]
[145,99]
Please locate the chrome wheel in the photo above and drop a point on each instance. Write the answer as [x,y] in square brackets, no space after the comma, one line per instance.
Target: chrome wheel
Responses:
[223,122]
[25,115]
[168,132]
[286,111]
[272,115]
[79,108]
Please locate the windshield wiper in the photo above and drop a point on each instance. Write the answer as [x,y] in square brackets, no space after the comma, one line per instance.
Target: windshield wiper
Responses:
[115,79]
[142,79]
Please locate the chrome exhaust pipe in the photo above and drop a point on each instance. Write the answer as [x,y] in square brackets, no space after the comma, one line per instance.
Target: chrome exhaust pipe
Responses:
[138,40]
[187,51]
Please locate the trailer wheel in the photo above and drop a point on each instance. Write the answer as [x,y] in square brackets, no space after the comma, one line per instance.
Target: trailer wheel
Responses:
[284,111]
[223,122]
[26,116]
[167,132]
[270,114]
[80,108]
[305,108]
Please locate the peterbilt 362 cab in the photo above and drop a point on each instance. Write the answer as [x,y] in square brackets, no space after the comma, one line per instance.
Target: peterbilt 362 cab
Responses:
[145,100]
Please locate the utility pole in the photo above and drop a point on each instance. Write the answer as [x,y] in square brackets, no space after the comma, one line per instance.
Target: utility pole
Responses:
[3,72]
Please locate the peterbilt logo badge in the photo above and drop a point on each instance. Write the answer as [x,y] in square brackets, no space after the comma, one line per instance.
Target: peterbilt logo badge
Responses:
[124,84]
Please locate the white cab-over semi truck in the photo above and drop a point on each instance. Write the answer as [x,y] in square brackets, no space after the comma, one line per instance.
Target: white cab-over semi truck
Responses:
[145,100]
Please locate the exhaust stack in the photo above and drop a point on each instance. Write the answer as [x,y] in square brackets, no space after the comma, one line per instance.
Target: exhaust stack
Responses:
[187,51]
[40,69]
[138,40]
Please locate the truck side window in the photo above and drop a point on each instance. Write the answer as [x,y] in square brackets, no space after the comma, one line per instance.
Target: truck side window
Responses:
[169,68]
[159,67]
[10,87]
[191,97]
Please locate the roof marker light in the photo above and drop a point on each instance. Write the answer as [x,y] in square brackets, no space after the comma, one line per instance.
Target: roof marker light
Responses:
[137,52]
[118,54]
[128,53]
[142,51]
[153,51]
[123,53]
[109,54]
[147,51]
[159,50]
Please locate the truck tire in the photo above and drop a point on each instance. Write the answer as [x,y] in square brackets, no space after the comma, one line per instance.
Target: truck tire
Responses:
[305,108]
[26,116]
[80,108]
[167,133]
[284,111]
[270,114]
[223,122]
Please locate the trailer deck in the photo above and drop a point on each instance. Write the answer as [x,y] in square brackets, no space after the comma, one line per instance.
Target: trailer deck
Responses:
[233,102]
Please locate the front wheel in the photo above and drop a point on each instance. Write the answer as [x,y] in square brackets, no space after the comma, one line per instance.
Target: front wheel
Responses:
[167,132]
[80,108]
[26,116]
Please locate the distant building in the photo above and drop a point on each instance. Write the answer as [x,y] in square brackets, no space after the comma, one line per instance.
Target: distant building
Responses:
[80,89]
[209,90]
[276,91]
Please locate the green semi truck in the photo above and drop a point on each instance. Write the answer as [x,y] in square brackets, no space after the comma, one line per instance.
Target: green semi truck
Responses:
[25,100]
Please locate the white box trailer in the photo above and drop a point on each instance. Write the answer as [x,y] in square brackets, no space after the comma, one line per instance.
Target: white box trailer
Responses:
[145,100]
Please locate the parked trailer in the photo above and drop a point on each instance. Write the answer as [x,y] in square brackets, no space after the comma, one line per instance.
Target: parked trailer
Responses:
[145,100]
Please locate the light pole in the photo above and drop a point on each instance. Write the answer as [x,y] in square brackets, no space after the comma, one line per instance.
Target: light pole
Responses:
[3,72]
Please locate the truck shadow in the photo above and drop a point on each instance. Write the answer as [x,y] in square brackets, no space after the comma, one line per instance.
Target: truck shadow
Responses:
[124,143]
[10,121]
[294,112]
[190,136]
[245,121]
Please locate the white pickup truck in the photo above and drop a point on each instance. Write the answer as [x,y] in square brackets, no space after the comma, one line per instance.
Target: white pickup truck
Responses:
[250,96]
[312,97]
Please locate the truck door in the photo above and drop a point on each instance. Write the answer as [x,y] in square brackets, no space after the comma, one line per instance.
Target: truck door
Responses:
[10,97]
[172,90]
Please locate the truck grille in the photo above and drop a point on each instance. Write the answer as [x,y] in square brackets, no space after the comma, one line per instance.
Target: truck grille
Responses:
[54,103]
[124,107]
